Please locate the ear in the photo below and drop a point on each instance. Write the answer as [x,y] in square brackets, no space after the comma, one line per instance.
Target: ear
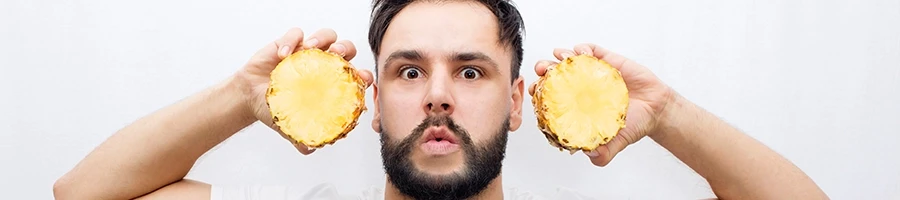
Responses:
[515,112]
[376,126]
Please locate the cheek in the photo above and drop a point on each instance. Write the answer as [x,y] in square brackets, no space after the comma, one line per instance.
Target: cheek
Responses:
[400,111]
[481,110]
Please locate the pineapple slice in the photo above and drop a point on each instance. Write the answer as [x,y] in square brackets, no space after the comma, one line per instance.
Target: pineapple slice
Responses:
[580,103]
[315,97]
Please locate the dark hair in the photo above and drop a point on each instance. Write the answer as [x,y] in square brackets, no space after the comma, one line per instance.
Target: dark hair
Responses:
[512,28]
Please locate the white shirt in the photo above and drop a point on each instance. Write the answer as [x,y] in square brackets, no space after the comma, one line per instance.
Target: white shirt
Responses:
[329,192]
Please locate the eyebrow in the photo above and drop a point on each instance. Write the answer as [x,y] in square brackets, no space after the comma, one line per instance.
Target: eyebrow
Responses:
[475,56]
[415,55]
[412,55]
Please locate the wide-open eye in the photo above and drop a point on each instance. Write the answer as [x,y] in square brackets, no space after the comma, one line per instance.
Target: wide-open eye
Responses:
[470,73]
[410,73]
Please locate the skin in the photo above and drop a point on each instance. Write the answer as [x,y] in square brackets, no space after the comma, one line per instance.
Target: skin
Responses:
[438,33]
[149,158]
[698,138]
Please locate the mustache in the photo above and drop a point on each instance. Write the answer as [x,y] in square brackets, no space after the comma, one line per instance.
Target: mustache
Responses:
[437,120]
[482,163]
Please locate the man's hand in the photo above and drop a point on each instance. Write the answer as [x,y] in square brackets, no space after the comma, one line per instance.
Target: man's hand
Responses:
[254,77]
[698,138]
[648,97]
[150,157]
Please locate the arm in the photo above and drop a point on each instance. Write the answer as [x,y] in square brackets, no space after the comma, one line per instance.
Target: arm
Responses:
[150,157]
[734,164]
[159,149]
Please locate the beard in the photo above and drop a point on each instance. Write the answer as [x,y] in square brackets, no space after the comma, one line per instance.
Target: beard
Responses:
[482,163]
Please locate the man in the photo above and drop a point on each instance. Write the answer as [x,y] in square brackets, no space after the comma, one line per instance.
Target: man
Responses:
[443,67]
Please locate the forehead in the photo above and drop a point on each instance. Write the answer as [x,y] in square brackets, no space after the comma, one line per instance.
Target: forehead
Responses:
[444,28]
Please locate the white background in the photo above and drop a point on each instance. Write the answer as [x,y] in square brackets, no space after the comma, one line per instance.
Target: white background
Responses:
[815,80]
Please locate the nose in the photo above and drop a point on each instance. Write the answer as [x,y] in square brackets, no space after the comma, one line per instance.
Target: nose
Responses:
[445,107]
[439,98]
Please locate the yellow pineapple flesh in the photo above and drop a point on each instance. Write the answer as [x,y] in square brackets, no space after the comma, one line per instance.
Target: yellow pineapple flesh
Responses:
[315,97]
[580,103]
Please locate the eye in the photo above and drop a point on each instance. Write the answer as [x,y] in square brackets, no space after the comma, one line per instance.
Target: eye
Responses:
[410,73]
[470,73]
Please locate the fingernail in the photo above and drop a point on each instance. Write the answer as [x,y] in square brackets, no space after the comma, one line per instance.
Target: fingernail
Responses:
[284,51]
[338,48]
[312,43]
[584,52]
[566,55]
[593,154]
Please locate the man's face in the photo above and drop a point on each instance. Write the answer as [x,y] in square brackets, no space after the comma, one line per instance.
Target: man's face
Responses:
[444,99]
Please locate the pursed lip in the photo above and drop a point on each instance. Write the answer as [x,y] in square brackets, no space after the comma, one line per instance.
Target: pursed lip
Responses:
[439,132]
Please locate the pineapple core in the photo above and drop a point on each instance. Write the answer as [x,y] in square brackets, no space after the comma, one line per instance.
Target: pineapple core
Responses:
[315,97]
[581,103]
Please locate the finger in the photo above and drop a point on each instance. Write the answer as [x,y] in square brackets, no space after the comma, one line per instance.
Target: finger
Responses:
[531,88]
[287,43]
[541,66]
[300,147]
[562,54]
[366,75]
[344,48]
[617,61]
[602,155]
[628,67]
[320,39]
[304,150]
[583,49]
[627,136]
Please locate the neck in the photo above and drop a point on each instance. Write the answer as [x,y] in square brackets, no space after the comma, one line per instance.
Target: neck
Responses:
[493,191]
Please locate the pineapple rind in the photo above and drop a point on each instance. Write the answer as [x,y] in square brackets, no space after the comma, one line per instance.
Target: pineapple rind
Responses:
[288,76]
[614,94]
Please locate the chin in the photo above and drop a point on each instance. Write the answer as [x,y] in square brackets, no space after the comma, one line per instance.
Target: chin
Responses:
[442,165]
[439,160]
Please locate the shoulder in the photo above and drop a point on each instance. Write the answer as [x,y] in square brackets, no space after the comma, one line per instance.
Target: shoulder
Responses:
[280,192]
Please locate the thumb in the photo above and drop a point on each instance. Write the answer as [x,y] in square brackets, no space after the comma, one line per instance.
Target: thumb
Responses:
[303,149]
[601,156]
